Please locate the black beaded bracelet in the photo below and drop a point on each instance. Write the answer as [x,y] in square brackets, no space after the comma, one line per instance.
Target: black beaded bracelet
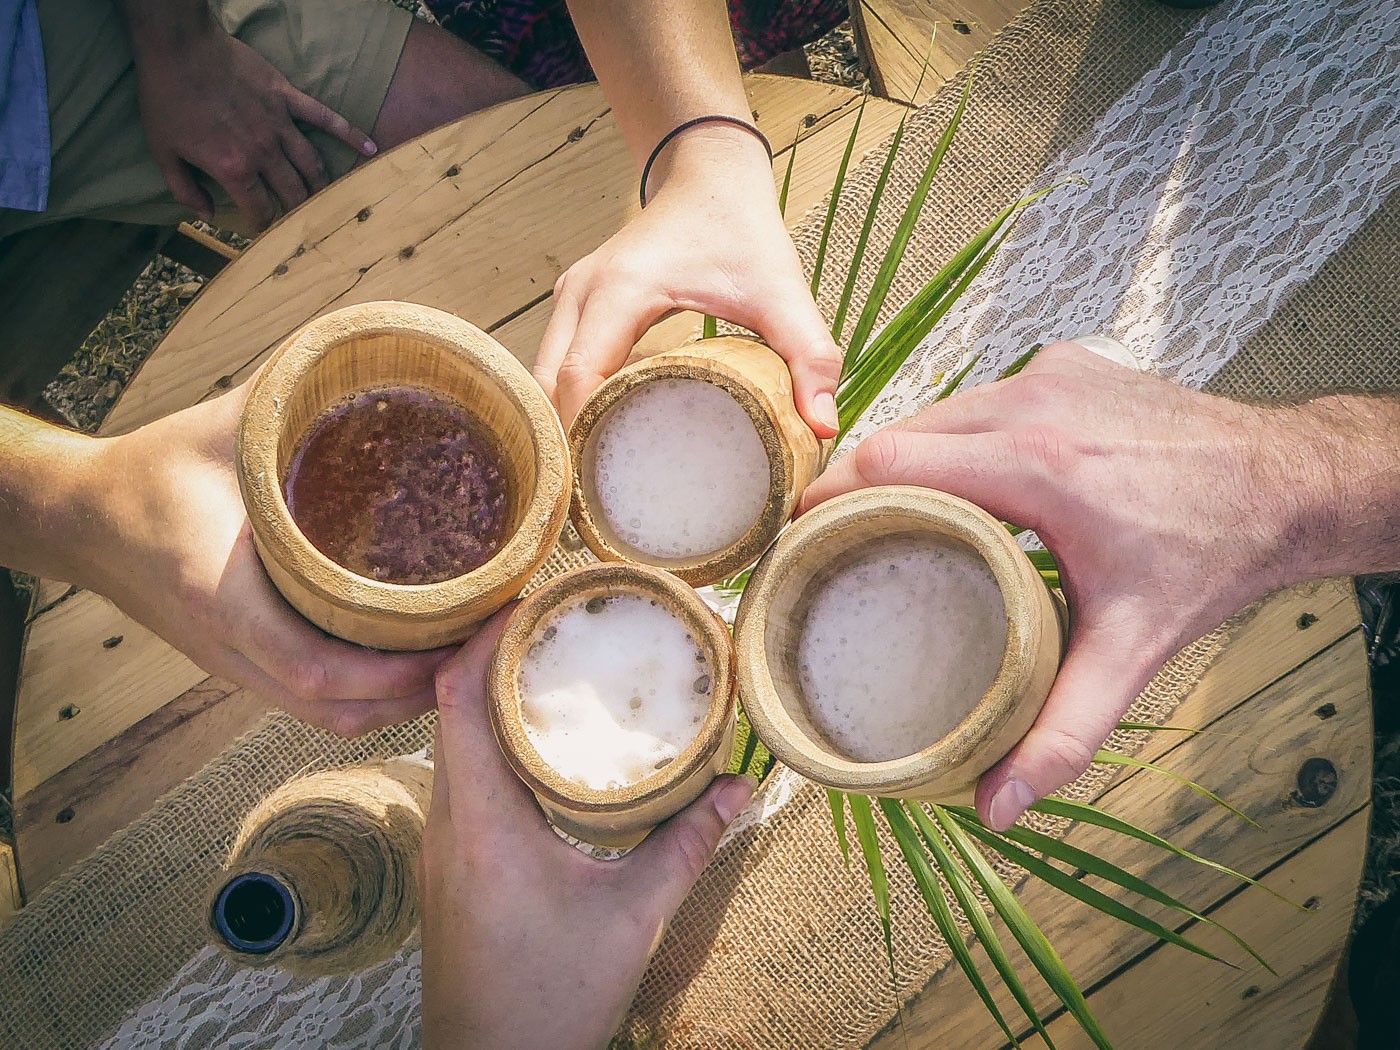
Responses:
[715,118]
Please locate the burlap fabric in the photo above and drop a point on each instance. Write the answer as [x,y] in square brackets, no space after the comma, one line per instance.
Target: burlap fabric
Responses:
[778,945]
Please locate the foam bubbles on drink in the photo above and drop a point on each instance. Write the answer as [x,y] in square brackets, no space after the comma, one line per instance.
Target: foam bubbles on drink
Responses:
[680,470]
[613,690]
[898,646]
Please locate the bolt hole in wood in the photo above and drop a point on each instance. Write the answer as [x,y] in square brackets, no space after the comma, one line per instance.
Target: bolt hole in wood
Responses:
[68,712]
[1326,711]
[1317,783]
[64,815]
[1306,620]
[113,642]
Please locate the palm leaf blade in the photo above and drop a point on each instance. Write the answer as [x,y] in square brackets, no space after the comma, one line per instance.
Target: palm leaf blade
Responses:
[1072,887]
[843,307]
[976,917]
[835,199]
[1059,807]
[894,254]
[1033,942]
[864,821]
[1095,865]
[1112,758]
[914,855]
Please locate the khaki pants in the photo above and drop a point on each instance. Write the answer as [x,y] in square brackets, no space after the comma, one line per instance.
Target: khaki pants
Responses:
[342,52]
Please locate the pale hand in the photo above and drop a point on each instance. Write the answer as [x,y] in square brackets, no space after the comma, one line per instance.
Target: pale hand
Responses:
[1167,510]
[711,239]
[214,105]
[526,941]
[168,541]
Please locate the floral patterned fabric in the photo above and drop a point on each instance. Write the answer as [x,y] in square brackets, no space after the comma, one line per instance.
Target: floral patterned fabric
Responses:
[535,39]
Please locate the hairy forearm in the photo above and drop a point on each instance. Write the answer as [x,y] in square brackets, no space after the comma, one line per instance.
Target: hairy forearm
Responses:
[661,62]
[47,483]
[1345,453]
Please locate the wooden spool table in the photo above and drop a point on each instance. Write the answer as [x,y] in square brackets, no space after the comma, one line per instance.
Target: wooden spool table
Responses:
[480,218]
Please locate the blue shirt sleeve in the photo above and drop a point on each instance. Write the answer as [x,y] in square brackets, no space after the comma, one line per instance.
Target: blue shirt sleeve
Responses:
[24,109]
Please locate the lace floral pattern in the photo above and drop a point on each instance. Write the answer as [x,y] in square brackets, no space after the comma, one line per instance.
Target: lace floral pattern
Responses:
[1212,190]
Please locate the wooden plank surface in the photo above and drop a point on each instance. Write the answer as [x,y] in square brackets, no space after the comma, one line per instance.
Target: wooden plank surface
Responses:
[900,36]
[1252,754]
[1171,999]
[11,900]
[90,673]
[71,814]
[466,218]
[82,696]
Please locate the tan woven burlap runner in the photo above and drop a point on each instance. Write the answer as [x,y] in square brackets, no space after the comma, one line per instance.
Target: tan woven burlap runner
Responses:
[778,946]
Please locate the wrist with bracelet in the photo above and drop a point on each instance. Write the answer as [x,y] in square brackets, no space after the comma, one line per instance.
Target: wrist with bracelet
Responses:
[713,118]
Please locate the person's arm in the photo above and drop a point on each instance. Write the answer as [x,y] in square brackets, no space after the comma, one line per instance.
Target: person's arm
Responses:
[711,238]
[1168,510]
[211,104]
[526,941]
[153,520]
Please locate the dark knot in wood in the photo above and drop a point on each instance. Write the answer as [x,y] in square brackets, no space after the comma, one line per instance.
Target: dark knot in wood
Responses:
[1317,783]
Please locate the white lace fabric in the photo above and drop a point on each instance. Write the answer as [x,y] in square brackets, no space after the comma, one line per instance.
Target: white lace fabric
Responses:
[1216,186]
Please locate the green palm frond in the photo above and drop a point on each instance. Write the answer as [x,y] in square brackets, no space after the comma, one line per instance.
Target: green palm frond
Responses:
[932,891]
[986,934]
[1112,758]
[836,198]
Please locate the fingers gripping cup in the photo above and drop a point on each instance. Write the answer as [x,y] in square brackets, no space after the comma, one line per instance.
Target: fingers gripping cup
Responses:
[404,475]
[896,641]
[692,460]
[612,693]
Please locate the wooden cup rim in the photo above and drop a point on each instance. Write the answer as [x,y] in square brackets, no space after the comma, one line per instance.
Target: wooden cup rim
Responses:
[793,562]
[696,570]
[260,479]
[608,579]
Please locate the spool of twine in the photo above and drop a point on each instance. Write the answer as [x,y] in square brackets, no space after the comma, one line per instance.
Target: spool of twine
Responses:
[322,879]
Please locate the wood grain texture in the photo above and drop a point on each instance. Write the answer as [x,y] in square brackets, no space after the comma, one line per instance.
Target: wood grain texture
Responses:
[1252,754]
[1170,999]
[900,37]
[73,813]
[89,675]
[465,219]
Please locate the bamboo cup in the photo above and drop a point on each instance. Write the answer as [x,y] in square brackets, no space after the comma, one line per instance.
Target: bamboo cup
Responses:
[758,379]
[773,611]
[400,344]
[621,817]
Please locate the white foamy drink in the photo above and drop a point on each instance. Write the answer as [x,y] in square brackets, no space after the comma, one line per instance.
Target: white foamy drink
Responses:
[680,471]
[898,647]
[612,690]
